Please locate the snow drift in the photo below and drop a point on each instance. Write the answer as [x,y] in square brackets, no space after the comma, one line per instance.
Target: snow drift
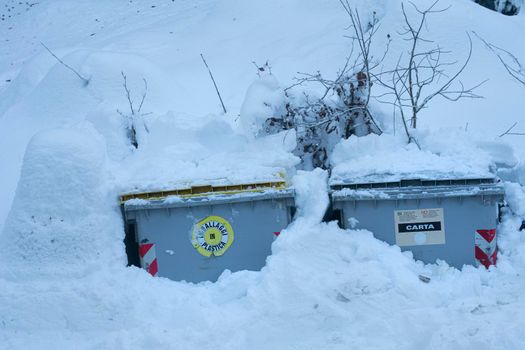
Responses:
[62,222]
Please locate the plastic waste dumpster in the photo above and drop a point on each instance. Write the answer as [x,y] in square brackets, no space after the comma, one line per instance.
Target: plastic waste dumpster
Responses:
[195,234]
[451,220]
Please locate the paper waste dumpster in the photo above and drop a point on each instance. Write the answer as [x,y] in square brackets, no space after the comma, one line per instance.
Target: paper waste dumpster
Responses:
[451,220]
[195,234]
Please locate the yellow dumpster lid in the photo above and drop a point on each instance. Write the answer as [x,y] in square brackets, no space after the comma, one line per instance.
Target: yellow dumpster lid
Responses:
[204,190]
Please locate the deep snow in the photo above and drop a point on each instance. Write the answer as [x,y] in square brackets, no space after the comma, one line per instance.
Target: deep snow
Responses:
[63,283]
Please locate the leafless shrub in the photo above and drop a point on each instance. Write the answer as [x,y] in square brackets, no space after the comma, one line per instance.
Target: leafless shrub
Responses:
[341,110]
[135,117]
[420,75]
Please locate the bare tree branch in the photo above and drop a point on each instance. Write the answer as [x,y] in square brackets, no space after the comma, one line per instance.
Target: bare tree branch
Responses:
[364,37]
[135,115]
[214,84]
[508,132]
[85,80]
[510,62]
[420,74]
[143,94]
[128,92]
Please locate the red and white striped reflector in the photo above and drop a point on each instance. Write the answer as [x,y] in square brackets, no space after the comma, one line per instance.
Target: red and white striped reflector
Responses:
[148,258]
[486,247]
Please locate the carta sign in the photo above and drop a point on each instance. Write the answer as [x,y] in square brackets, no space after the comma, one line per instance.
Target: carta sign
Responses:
[420,227]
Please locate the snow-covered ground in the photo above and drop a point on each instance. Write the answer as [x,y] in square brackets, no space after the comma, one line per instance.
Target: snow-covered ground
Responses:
[64,159]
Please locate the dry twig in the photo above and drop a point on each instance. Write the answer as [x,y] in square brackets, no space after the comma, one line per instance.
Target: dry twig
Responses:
[214,84]
[85,80]
[508,132]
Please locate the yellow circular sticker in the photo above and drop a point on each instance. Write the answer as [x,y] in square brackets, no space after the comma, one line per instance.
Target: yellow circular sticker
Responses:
[212,235]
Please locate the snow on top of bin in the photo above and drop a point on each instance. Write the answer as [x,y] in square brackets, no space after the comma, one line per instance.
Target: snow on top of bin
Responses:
[483,187]
[207,193]
[205,152]
[384,159]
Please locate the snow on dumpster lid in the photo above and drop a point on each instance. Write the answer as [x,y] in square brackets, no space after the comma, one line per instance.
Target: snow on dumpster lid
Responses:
[214,198]
[205,190]
[207,153]
[418,189]
[375,160]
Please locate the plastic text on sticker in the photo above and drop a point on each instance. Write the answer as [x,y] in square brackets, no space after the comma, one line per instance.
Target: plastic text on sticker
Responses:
[212,235]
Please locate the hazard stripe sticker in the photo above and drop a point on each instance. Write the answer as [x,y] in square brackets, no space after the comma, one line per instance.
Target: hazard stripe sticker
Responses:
[488,235]
[486,248]
[144,248]
[148,258]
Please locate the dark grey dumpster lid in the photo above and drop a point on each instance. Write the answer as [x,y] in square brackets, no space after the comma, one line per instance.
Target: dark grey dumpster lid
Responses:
[417,188]
[413,182]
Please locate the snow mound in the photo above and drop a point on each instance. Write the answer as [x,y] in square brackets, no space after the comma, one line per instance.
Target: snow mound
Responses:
[181,153]
[259,103]
[59,223]
[388,158]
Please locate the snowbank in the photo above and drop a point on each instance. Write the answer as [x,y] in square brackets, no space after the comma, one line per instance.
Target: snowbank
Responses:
[323,287]
[62,220]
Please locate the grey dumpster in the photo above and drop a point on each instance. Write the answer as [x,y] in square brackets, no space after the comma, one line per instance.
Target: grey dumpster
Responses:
[451,220]
[195,234]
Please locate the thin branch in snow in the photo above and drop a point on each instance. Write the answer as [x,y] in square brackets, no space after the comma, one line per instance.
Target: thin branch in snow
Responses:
[85,80]
[136,116]
[510,62]
[143,95]
[214,84]
[128,92]
[508,132]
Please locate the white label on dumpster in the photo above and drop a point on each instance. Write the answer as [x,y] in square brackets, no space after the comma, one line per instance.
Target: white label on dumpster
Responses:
[419,227]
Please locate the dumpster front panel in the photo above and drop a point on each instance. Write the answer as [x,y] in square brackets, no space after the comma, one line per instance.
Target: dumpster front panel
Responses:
[197,243]
[447,233]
